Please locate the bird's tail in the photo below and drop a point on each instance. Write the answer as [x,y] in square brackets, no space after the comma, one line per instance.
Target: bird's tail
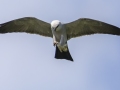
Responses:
[63,55]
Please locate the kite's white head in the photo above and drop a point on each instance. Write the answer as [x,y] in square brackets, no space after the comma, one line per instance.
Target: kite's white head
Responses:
[56,25]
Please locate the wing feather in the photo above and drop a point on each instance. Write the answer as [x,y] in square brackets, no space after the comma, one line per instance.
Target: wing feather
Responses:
[85,26]
[27,24]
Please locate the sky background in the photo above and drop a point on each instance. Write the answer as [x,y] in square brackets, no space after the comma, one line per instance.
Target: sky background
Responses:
[27,61]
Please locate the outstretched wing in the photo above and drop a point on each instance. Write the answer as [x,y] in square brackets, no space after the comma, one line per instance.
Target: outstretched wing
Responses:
[85,26]
[28,25]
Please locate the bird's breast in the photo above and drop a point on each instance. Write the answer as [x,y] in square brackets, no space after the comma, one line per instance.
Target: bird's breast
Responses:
[57,36]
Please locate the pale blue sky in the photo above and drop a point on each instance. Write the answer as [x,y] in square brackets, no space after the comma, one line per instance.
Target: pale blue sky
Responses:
[27,61]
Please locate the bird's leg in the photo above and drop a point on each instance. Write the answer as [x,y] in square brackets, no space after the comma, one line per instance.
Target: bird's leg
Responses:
[54,41]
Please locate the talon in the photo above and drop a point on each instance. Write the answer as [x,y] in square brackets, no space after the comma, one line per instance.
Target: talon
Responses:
[55,43]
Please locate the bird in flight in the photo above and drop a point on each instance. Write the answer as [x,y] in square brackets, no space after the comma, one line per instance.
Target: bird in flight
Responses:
[60,32]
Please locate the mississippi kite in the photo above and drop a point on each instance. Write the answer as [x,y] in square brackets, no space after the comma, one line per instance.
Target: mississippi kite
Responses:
[58,31]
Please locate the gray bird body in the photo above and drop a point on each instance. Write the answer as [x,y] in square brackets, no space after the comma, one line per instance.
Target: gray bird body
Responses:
[58,31]
[59,35]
